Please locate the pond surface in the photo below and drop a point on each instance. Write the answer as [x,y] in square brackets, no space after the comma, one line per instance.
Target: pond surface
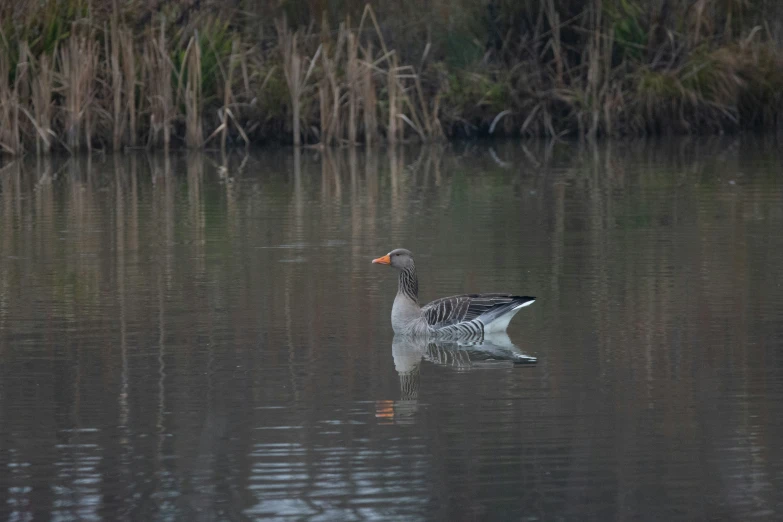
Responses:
[198,338]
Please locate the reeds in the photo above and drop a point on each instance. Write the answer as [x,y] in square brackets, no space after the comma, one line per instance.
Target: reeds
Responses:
[78,64]
[41,100]
[189,91]
[9,109]
[354,85]
[297,72]
[368,96]
[121,68]
[93,75]
[158,71]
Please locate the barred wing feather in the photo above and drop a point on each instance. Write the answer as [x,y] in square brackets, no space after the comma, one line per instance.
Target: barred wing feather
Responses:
[463,308]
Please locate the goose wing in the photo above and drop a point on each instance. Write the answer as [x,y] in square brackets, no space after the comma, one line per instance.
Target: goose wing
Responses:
[463,308]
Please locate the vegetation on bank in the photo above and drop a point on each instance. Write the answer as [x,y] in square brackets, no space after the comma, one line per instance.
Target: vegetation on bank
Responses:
[86,74]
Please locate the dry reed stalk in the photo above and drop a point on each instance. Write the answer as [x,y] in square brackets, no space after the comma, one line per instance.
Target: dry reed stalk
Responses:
[391,79]
[43,107]
[437,127]
[323,109]
[113,50]
[395,74]
[158,71]
[165,70]
[9,108]
[12,96]
[222,129]
[327,101]
[330,87]
[6,100]
[330,66]
[227,96]
[323,105]
[392,64]
[426,116]
[225,113]
[149,98]
[369,67]
[554,23]
[598,72]
[24,69]
[228,93]
[337,125]
[414,120]
[129,73]
[78,63]
[608,99]
[594,76]
[353,79]
[245,74]
[369,99]
[296,76]
[194,134]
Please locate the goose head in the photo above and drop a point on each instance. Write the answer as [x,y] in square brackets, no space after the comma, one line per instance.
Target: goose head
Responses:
[398,258]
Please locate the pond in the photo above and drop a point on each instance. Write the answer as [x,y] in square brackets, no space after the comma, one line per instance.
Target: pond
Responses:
[199,337]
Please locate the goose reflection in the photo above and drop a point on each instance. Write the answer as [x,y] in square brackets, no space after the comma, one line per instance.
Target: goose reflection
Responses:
[491,351]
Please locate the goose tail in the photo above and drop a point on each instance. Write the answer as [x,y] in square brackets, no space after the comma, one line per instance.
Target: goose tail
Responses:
[497,319]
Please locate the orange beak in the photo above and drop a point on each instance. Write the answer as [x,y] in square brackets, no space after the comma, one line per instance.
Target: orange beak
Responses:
[384,260]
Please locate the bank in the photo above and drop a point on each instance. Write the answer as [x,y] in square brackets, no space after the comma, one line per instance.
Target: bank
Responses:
[92,75]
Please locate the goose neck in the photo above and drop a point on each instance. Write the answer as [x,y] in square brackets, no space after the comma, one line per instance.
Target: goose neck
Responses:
[408,285]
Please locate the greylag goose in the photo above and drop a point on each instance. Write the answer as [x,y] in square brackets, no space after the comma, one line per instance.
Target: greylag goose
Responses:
[455,316]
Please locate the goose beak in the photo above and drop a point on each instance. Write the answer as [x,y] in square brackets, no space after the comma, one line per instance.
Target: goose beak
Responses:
[382,260]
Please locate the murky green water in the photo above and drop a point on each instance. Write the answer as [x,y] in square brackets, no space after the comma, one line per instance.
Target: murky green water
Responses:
[192,338]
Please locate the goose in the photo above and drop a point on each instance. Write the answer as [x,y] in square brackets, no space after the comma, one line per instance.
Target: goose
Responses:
[467,315]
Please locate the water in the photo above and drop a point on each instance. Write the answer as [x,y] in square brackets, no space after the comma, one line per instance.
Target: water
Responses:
[193,338]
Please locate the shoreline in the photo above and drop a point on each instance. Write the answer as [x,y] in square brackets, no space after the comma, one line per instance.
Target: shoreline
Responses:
[100,77]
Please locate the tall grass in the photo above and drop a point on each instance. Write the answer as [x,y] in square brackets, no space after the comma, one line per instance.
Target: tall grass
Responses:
[41,101]
[297,72]
[157,74]
[78,61]
[9,107]
[108,75]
